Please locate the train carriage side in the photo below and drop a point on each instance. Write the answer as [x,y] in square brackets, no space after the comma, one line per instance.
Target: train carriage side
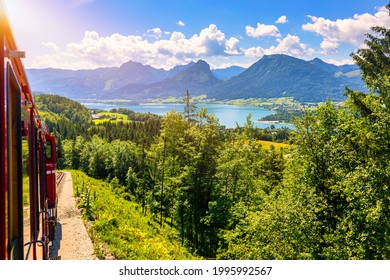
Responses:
[27,155]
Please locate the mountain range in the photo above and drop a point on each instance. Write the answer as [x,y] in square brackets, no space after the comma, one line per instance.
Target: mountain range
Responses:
[272,76]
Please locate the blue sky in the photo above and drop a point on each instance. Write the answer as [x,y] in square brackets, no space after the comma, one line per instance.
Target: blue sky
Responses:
[86,34]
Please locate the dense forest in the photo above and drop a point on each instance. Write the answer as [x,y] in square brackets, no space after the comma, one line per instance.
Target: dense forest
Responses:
[326,196]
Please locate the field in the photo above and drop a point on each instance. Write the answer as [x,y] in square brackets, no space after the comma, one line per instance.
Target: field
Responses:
[268,144]
[110,117]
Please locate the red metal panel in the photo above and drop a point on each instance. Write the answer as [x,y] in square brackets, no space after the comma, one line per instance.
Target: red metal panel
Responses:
[51,184]
[33,184]
[3,149]
[51,179]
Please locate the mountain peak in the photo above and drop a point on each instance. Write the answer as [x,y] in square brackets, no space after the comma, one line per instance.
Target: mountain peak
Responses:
[199,71]
[130,62]
[203,64]
[134,65]
[277,56]
[317,60]
[274,62]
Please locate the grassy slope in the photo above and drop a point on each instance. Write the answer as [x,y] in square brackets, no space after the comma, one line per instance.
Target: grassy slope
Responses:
[118,226]
[267,144]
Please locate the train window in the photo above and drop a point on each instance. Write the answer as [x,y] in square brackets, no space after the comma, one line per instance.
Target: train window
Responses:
[26,178]
[48,149]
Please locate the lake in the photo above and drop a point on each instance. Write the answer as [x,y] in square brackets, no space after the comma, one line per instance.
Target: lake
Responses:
[228,115]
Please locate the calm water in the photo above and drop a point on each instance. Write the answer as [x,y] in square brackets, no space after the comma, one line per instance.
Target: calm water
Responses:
[228,115]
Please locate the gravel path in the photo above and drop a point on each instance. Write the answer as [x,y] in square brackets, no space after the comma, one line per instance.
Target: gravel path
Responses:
[71,239]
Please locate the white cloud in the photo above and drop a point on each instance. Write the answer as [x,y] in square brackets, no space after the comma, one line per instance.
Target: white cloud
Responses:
[211,44]
[154,33]
[329,47]
[350,30]
[262,30]
[181,23]
[339,62]
[98,51]
[282,20]
[290,45]
[231,46]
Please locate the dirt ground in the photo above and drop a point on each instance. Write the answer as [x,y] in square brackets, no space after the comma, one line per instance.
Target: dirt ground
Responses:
[71,238]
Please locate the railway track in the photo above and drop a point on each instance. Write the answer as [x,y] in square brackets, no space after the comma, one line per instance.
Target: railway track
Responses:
[60,178]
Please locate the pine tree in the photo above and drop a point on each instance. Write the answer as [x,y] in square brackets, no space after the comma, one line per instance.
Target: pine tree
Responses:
[189,108]
[374,61]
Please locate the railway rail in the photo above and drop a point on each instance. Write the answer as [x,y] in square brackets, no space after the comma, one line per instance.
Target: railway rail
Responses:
[60,178]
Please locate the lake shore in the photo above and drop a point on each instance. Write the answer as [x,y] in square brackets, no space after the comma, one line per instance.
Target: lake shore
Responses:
[228,115]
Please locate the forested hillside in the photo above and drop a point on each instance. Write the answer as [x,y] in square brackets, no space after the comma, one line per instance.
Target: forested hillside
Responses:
[65,107]
[275,76]
[325,196]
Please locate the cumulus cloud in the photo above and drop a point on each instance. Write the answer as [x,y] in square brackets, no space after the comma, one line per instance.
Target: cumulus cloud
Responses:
[329,47]
[340,62]
[154,33]
[97,51]
[262,30]
[232,46]
[282,20]
[181,23]
[350,30]
[290,45]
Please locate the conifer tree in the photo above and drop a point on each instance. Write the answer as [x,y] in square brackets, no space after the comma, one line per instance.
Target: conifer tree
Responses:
[374,62]
[189,108]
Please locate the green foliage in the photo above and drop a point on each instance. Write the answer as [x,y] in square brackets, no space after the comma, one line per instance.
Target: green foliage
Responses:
[133,116]
[285,228]
[374,61]
[285,116]
[85,200]
[345,160]
[72,136]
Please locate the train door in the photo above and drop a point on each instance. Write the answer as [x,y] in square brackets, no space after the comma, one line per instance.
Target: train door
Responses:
[15,185]
[11,189]
[51,170]
[51,183]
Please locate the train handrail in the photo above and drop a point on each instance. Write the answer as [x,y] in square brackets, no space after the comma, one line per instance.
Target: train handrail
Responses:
[40,243]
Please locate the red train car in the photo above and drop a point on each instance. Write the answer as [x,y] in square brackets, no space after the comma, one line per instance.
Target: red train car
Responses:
[28,200]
